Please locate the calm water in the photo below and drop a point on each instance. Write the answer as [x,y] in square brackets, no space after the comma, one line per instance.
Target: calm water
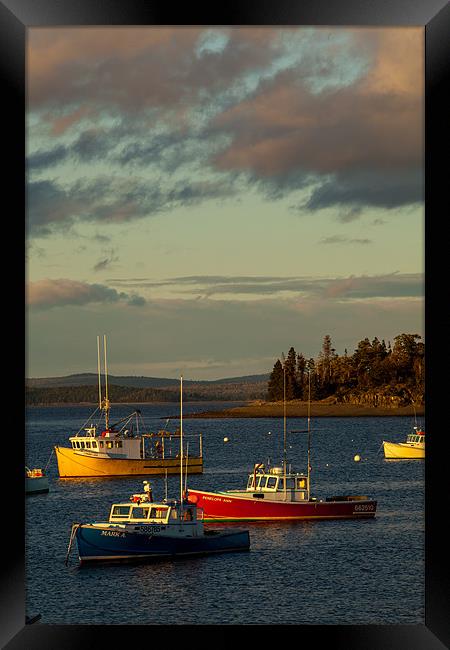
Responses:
[328,572]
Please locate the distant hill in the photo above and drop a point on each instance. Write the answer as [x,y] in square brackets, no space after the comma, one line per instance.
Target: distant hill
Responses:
[83,388]
[91,379]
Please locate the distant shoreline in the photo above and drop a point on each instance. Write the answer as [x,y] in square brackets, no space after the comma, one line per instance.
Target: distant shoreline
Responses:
[269,410]
[300,409]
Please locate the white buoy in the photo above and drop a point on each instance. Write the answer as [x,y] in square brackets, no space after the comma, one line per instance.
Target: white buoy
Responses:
[225,439]
[357,458]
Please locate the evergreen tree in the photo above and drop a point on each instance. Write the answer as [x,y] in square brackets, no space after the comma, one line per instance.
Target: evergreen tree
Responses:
[290,366]
[275,387]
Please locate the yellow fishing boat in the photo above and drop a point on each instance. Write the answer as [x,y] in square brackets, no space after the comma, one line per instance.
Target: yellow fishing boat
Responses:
[124,448]
[414,447]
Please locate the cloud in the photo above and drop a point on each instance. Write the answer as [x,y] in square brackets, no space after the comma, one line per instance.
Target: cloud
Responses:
[43,159]
[182,334]
[334,112]
[106,262]
[394,285]
[356,190]
[361,144]
[46,294]
[337,239]
[52,207]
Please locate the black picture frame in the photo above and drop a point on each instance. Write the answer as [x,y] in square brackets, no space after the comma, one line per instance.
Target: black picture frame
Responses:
[16,16]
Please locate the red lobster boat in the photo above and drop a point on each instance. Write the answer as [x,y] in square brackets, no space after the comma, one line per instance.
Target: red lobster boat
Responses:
[273,495]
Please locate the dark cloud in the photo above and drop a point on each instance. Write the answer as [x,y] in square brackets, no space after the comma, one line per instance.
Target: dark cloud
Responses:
[46,294]
[357,190]
[92,144]
[43,159]
[103,200]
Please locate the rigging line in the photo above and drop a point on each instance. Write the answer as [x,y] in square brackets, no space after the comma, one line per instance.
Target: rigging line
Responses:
[72,536]
[51,453]
[89,418]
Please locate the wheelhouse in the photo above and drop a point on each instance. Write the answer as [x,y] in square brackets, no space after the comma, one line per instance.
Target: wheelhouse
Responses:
[416,438]
[128,442]
[151,513]
[273,480]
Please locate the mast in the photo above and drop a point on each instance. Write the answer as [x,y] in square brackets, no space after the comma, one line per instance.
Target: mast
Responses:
[99,380]
[309,426]
[284,425]
[181,443]
[106,407]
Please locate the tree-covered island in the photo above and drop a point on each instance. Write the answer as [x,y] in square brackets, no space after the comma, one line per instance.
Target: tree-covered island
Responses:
[376,374]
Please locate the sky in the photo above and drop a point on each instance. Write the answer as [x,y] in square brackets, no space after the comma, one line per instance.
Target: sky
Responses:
[209,197]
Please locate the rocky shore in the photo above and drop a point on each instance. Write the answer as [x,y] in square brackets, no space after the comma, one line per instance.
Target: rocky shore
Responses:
[297,409]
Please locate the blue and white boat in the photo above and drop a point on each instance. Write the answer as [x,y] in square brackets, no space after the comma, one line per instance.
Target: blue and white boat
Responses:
[141,529]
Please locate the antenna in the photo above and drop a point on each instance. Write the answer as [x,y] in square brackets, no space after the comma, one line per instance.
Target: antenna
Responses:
[284,419]
[181,442]
[99,380]
[309,427]
[186,472]
[106,386]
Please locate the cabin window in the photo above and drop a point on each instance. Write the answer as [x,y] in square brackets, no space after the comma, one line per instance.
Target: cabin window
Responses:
[82,444]
[250,482]
[109,444]
[173,514]
[290,483]
[101,443]
[281,484]
[140,512]
[94,444]
[118,444]
[158,513]
[271,482]
[262,481]
[120,511]
[301,483]
[88,444]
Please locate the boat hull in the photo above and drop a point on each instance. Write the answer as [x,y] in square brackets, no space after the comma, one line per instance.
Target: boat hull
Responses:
[402,451]
[74,464]
[110,544]
[222,506]
[36,485]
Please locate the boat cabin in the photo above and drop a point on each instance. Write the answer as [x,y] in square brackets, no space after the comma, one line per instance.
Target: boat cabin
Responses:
[125,443]
[272,480]
[416,438]
[143,510]
[109,443]
[152,513]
